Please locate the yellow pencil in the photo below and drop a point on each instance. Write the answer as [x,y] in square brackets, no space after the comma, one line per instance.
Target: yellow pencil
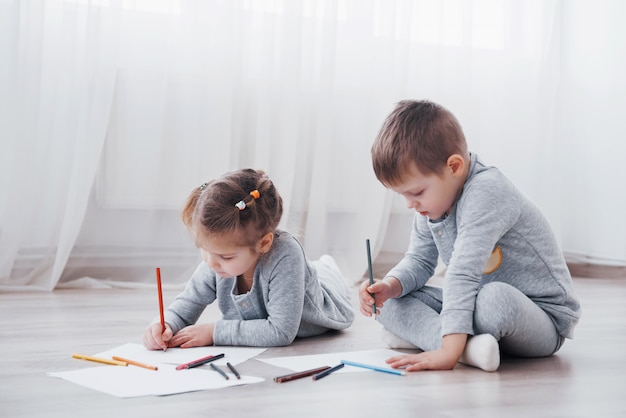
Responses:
[135,363]
[100,360]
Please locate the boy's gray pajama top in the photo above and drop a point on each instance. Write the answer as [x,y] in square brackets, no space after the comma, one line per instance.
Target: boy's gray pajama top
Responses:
[287,300]
[492,233]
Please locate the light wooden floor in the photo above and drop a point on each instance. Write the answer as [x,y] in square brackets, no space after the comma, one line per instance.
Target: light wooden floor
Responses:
[39,331]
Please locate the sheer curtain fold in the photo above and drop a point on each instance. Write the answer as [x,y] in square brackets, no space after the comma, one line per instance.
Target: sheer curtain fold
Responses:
[64,77]
[115,109]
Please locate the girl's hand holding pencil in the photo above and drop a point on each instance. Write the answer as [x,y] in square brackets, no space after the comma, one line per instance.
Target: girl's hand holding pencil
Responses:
[155,339]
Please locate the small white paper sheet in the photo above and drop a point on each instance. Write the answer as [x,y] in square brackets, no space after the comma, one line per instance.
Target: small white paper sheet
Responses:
[132,381]
[300,363]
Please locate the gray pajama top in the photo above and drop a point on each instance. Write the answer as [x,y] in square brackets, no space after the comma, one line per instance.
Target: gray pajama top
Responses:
[492,233]
[287,300]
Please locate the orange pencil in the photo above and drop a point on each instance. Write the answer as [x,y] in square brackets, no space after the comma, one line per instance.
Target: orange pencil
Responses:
[135,363]
[158,278]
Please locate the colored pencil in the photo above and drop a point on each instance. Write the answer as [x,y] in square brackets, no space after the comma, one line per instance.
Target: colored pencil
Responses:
[220,371]
[371,273]
[160,291]
[299,375]
[199,362]
[100,360]
[232,369]
[375,368]
[135,363]
[327,372]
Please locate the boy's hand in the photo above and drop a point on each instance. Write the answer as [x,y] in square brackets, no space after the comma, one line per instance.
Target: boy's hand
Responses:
[193,336]
[382,289]
[444,358]
[154,339]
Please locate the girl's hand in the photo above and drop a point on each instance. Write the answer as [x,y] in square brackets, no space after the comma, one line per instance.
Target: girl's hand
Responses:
[382,289]
[193,336]
[154,338]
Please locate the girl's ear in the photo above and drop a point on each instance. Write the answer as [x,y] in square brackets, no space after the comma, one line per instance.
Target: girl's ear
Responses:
[265,243]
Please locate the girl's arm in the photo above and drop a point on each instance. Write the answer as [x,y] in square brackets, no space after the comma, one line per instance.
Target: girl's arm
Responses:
[199,292]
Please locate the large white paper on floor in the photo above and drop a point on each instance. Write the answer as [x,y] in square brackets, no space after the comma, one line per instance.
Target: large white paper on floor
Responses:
[300,363]
[134,381]
[137,352]
[128,382]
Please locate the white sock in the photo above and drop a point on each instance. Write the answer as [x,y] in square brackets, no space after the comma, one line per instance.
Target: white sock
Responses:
[482,351]
[393,341]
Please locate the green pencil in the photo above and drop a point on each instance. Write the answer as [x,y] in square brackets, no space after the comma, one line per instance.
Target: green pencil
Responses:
[369,267]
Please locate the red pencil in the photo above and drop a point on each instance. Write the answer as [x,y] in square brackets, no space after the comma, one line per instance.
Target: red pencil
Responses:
[160,291]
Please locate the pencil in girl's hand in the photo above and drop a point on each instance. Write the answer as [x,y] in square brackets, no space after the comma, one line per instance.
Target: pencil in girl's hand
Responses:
[160,291]
[371,273]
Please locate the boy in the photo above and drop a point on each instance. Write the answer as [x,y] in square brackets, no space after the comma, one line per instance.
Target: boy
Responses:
[506,287]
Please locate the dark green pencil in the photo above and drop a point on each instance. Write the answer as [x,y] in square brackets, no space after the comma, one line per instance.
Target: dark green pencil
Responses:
[369,267]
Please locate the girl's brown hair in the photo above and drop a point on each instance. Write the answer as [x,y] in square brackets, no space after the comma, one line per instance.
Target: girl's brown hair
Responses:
[420,132]
[211,209]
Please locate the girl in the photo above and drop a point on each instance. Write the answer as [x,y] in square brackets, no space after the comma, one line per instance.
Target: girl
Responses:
[267,290]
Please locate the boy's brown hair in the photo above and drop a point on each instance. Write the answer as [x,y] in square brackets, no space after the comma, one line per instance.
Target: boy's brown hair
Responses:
[419,132]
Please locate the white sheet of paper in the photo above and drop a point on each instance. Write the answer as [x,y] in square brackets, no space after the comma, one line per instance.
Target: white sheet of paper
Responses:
[300,363]
[127,382]
[138,352]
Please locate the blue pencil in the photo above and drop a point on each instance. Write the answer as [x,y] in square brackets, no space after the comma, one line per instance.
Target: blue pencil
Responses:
[376,368]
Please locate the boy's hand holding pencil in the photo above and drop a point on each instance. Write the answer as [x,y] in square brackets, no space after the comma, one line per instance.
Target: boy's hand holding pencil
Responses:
[378,293]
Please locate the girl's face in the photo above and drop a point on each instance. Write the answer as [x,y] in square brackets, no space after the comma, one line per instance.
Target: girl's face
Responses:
[227,259]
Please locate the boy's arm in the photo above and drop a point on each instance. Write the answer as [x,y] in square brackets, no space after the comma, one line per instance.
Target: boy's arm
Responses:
[453,346]
[420,260]
[444,358]
[485,213]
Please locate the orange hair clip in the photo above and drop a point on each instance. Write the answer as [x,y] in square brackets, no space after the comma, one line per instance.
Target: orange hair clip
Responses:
[241,205]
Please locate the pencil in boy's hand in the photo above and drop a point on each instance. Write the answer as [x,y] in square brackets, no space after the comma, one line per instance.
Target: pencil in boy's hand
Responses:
[371,273]
[160,291]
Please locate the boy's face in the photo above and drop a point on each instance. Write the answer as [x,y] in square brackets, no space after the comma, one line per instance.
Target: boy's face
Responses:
[430,195]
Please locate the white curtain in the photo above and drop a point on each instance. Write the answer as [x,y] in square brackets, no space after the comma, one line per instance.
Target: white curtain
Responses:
[113,110]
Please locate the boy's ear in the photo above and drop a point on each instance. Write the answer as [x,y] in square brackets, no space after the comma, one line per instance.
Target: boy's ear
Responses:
[456,164]
[265,242]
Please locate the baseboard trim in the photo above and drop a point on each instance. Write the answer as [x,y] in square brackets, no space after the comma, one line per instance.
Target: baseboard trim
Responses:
[599,271]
